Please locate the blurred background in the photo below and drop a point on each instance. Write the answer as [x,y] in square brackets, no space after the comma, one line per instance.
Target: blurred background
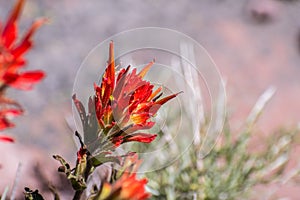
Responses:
[254,43]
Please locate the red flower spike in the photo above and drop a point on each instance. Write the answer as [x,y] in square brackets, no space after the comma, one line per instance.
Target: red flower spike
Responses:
[127,101]
[124,104]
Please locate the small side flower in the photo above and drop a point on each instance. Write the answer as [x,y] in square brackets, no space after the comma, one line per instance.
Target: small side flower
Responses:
[127,186]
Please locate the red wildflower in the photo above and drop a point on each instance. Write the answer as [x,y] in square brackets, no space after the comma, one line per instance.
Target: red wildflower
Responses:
[123,106]
[125,103]
[11,52]
[12,60]
[127,187]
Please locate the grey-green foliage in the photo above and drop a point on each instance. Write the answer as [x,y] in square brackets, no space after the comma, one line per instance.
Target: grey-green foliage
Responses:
[229,171]
[232,169]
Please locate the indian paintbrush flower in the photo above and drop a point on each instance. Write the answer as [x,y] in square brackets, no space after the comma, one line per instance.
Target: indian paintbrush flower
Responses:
[120,111]
[12,61]
[122,106]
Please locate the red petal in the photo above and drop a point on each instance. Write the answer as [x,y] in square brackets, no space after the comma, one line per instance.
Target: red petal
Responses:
[6,138]
[140,137]
[111,64]
[10,35]
[122,77]
[143,126]
[22,48]
[140,118]
[26,43]
[164,100]
[145,69]
[10,30]
[117,140]
[154,93]
[16,65]
[11,112]
[25,80]
[5,124]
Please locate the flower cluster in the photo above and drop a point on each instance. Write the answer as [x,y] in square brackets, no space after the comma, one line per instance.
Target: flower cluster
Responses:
[11,62]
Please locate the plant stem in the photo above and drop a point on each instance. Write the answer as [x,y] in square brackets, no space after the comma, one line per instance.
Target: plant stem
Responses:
[78,194]
[88,169]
